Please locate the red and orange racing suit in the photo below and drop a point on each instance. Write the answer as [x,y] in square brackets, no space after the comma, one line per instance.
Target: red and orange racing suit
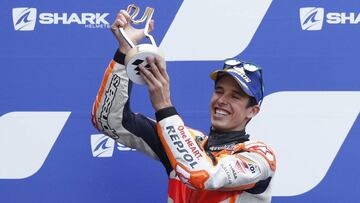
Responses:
[220,167]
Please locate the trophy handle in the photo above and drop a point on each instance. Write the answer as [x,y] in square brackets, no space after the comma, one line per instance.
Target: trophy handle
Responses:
[150,12]
[138,53]
[146,16]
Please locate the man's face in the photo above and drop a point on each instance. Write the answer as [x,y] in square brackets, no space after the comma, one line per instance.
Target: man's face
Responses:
[228,105]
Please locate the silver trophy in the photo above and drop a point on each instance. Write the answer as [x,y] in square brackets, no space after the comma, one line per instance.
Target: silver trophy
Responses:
[138,53]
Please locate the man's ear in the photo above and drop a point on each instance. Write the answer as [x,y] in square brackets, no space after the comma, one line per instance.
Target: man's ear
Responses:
[253,111]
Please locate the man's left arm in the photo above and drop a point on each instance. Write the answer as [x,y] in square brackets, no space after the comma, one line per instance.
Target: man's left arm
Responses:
[192,164]
[254,165]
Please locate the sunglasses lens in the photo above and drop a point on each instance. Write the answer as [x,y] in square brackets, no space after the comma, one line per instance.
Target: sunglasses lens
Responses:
[250,67]
[247,66]
[232,62]
[255,73]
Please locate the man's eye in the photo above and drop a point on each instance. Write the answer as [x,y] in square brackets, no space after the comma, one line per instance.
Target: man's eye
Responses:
[218,91]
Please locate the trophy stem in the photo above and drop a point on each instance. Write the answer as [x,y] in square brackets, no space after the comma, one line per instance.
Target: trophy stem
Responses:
[127,39]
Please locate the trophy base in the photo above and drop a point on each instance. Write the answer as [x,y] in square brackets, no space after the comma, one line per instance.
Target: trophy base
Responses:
[136,56]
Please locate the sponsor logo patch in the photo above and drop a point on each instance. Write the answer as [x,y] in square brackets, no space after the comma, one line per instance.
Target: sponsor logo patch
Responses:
[24,19]
[103,146]
[311,18]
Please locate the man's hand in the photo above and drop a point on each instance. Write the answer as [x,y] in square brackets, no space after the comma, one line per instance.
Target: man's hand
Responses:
[123,20]
[158,82]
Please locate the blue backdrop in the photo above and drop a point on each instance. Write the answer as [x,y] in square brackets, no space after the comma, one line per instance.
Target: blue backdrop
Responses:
[59,67]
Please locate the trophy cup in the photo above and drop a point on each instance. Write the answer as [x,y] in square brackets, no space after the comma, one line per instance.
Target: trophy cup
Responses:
[138,53]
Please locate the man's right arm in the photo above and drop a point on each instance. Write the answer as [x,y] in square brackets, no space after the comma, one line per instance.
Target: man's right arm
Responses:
[111,112]
[112,115]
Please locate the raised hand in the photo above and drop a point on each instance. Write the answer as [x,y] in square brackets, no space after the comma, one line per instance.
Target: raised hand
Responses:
[157,81]
[123,20]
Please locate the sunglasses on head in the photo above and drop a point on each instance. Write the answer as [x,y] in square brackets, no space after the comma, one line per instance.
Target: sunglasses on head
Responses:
[232,63]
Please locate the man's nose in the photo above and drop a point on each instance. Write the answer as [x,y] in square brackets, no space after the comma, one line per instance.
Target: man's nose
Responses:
[222,100]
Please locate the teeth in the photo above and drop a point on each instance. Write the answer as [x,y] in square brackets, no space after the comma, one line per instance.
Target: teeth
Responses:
[221,112]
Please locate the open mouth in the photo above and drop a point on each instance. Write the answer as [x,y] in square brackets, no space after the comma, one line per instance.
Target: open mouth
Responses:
[221,112]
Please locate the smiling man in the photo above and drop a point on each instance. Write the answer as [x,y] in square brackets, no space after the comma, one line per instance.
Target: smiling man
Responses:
[224,166]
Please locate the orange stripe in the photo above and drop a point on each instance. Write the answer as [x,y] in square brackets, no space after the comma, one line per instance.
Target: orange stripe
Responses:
[101,91]
[197,178]
[166,146]
[244,147]
[179,193]
[201,147]
[233,199]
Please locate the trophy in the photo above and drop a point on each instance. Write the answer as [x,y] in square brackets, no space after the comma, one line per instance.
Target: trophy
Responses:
[138,53]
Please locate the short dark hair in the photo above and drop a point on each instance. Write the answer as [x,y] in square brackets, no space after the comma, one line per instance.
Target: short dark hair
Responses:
[252,102]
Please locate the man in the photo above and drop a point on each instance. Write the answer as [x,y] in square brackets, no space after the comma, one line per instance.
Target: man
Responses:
[221,167]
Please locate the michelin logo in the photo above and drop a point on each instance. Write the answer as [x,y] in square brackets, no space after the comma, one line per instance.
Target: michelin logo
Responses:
[103,146]
[312,18]
[24,18]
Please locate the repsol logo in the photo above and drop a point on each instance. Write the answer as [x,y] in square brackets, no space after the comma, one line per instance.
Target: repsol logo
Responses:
[178,142]
[108,101]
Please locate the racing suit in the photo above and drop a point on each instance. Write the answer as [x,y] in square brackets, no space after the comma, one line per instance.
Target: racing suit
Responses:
[220,167]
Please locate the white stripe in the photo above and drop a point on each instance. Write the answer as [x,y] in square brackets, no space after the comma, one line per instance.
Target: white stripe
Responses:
[212,29]
[26,139]
[306,130]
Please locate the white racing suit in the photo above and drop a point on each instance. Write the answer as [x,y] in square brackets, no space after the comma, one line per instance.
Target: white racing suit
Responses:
[220,167]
